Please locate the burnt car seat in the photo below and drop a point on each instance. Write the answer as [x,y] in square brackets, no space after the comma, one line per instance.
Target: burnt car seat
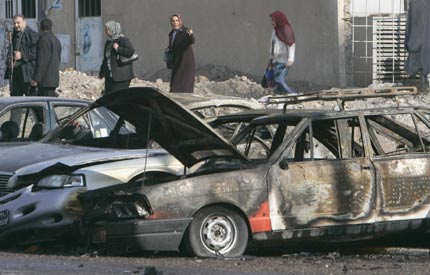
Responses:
[9,131]
[36,132]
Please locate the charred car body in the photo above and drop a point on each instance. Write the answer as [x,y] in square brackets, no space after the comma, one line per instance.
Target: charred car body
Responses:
[298,176]
[93,148]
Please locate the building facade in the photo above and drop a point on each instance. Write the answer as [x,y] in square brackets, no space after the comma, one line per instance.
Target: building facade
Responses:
[232,33]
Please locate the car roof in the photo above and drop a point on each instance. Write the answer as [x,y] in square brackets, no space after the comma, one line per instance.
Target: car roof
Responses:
[269,114]
[265,115]
[5,101]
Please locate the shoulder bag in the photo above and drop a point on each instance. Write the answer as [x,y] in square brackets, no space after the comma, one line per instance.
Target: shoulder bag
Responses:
[168,58]
[122,60]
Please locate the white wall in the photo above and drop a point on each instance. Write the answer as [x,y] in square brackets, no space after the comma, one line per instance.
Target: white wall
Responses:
[367,7]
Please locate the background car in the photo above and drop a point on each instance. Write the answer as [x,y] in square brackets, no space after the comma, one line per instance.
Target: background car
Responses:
[25,119]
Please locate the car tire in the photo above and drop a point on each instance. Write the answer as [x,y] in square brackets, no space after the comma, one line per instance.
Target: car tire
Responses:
[217,231]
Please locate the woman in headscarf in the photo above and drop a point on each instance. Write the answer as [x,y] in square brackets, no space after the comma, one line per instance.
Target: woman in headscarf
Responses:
[183,68]
[282,50]
[117,75]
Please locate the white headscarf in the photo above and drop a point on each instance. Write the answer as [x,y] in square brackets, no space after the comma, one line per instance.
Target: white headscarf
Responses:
[114,29]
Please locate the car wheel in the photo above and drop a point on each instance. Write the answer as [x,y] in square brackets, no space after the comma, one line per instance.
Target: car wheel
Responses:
[217,231]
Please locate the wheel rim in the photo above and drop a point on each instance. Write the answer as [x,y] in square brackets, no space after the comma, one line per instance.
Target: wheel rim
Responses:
[218,234]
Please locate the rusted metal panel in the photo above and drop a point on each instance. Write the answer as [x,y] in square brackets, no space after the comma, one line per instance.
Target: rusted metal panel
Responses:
[244,189]
[321,193]
[404,185]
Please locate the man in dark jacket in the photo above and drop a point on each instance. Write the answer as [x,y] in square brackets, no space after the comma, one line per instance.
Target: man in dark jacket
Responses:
[20,69]
[417,39]
[48,58]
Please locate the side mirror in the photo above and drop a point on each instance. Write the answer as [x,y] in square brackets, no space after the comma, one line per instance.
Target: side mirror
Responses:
[283,164]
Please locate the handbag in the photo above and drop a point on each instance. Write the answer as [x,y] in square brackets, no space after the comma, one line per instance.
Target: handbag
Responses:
[122,60]
[168,58]
[268,78]
[263,81]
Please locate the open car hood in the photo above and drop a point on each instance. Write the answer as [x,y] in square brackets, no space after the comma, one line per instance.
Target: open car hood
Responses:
[170,124]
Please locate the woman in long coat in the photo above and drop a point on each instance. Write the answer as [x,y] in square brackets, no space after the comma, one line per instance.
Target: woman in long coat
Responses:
[181,39]
[117,76]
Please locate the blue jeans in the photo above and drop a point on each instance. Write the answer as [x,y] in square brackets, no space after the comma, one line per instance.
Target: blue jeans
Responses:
[281,72]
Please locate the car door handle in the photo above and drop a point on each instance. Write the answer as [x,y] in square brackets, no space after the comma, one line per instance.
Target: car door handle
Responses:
[365,167]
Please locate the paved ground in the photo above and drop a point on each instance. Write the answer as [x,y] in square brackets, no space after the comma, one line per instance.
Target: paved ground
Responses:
[358,261]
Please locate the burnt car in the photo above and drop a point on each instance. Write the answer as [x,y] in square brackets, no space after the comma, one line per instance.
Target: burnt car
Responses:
[26,119]
[301,175]
[93,148]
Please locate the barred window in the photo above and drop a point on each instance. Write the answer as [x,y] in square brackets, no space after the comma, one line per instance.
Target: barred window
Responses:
[88,8]
[29,8]
[8,9]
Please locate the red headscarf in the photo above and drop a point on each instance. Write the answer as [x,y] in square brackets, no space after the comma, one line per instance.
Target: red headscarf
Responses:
[283,28]
[179,17]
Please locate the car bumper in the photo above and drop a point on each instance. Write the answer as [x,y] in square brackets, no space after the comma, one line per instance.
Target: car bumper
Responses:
[25,210]
[138,235]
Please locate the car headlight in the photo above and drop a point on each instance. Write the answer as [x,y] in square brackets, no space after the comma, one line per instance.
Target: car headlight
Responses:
[61,181]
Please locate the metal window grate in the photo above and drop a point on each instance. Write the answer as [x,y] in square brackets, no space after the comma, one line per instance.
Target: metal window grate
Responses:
[88,8]
[9,9]
[29,8]
[378,33]
[389,53]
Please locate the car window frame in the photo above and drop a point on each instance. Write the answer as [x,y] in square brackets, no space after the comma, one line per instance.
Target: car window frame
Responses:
[53,104]
[414,115]
[292,140]
[27,105]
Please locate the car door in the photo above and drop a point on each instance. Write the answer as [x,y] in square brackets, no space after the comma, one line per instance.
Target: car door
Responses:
[400,149]
[25,116]
[323,178]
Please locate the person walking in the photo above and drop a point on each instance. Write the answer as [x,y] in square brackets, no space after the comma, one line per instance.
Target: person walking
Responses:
[282,51]
[116,74]
[417,40]
[181,39]
[48,57]
[20,67]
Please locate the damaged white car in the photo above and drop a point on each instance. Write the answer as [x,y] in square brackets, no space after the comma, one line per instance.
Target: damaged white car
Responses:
[93,148]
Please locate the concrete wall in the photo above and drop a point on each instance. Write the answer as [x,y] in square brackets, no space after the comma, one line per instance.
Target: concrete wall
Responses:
[232,33]
[64,23]
[236,33]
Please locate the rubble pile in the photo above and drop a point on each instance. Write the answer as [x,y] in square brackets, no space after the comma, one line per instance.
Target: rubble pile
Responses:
[218,80]
[210,79]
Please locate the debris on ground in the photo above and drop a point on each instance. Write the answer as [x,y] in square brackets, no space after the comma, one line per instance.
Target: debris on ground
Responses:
[220,80]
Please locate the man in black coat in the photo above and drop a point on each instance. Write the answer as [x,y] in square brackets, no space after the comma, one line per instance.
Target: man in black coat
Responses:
[21,63]
[47,77]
